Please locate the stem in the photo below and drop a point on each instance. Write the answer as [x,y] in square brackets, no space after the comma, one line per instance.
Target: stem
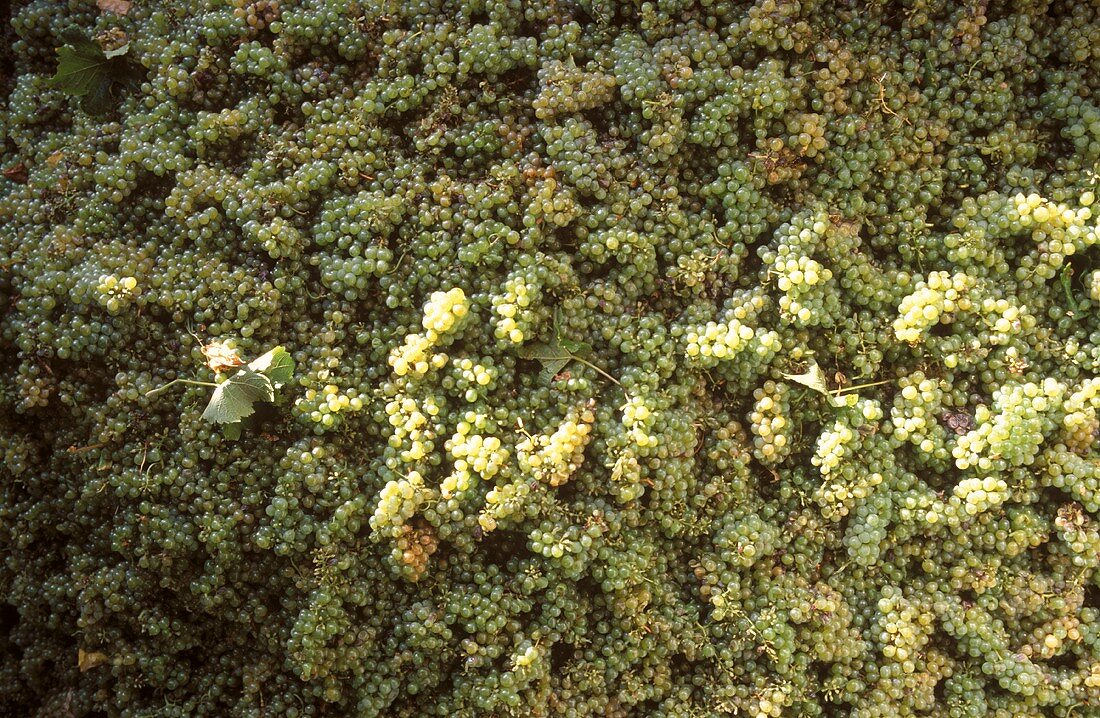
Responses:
[1066,287]
[605,375]
[397,265]
[838,392]
[180,381]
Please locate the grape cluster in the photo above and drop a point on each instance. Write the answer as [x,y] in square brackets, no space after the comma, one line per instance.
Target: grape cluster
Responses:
[934,301]
[771,423]
[553,457]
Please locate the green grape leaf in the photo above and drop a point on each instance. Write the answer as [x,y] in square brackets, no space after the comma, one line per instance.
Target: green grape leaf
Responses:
[570,345]
[85,71]
[277,365]
[813,377]
[233,399]
[550,369]
[554,357]
[81,67]
[543,352]
[98,101]
[575,347]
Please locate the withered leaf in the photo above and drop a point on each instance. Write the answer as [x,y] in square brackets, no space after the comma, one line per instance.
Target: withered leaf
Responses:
[17,173]
[814,378]
[221,357]
[87,660]
[118,7]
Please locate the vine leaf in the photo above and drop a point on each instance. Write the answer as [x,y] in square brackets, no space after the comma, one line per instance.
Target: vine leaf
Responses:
[545,352]
[85,71]
[233,399]
[556,354]
[813,378]
[551,369]
[258,382]
[553,356]
[277,365]
[575,347]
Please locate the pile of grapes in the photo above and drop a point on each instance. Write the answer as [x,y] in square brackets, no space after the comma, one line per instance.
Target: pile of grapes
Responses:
[578,358]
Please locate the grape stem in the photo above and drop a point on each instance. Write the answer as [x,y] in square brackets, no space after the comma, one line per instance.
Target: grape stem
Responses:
[838,392]
[180,381]
[604,374]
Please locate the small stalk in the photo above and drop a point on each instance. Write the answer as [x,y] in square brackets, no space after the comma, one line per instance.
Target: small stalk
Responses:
[604,374]
[180,381]
[838,392]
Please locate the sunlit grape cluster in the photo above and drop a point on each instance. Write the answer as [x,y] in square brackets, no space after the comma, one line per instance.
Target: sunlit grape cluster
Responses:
[1013,429]
[553,457]
[918,416]
[1082,415]
[935,300]
[476,455]
[771,422]
[442,312]
[116,293]
[511,310]
[397,503]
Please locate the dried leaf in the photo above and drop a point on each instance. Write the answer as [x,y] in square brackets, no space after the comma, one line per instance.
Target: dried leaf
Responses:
[114,41]
[17,173]
[959,422]
[617,469]
[221,357]
[813,378]
[118,7]
[117,52]
[87,660]
[54,159]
